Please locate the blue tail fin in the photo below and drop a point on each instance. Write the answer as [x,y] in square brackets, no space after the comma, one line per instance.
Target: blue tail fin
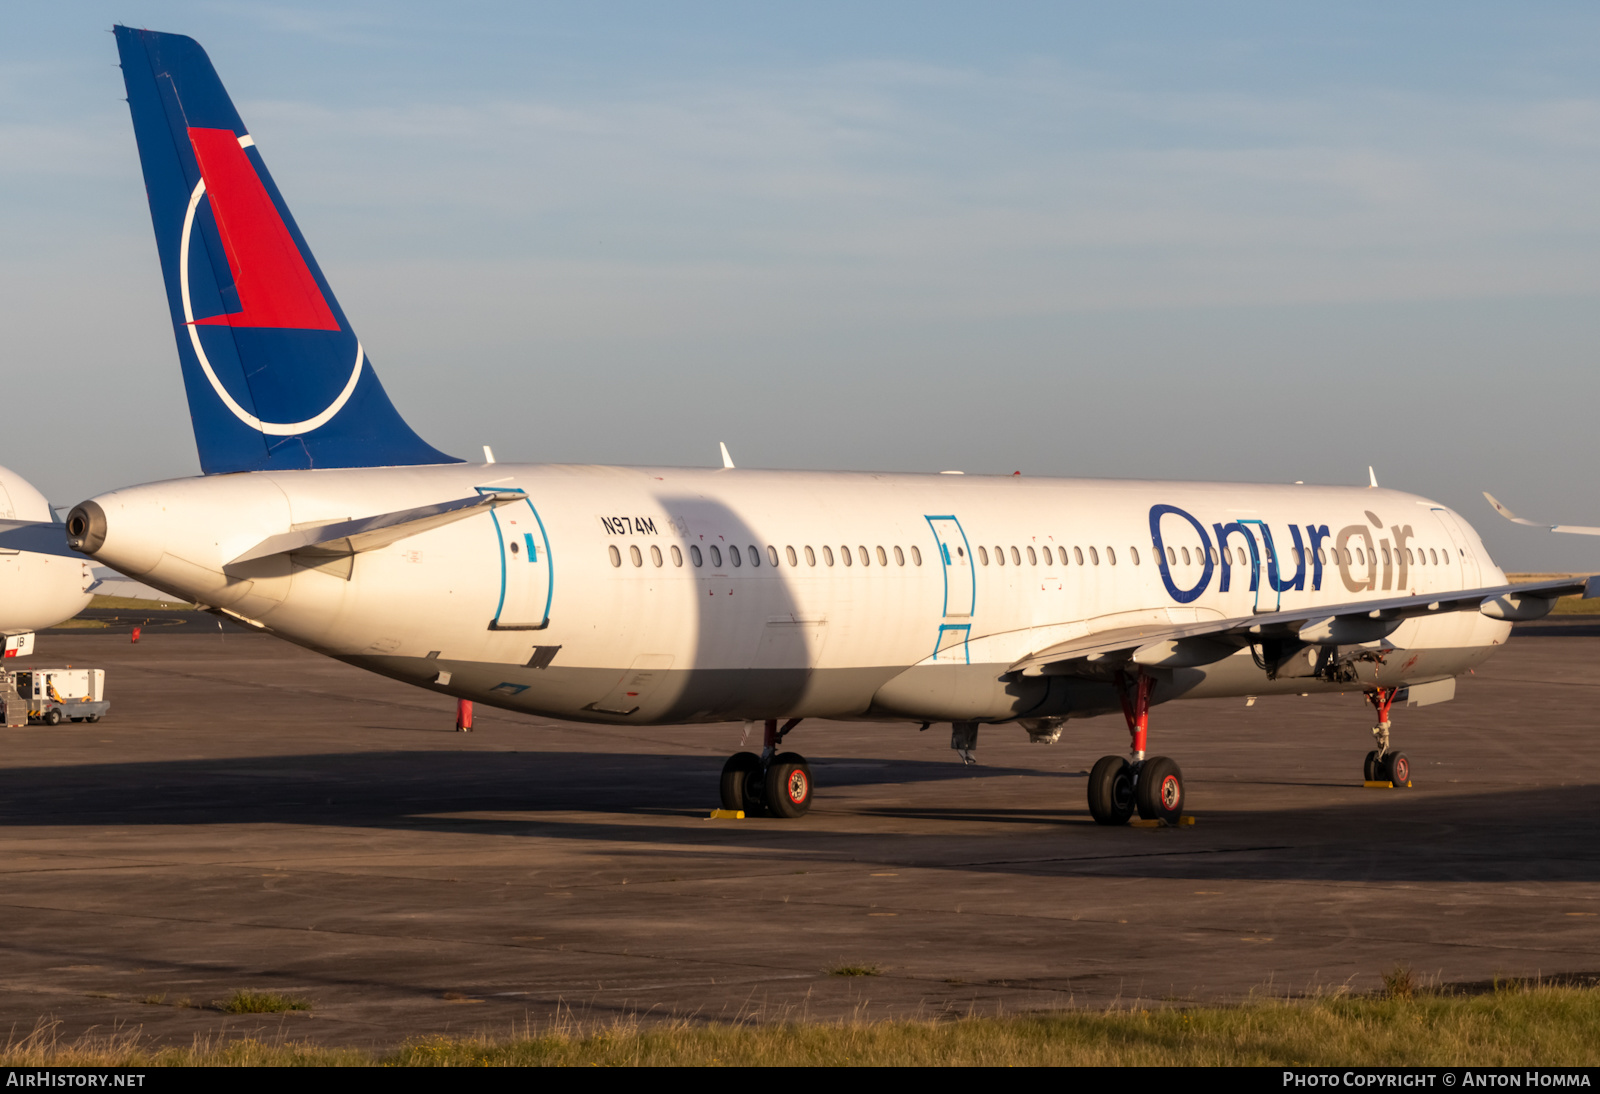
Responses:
[275,376]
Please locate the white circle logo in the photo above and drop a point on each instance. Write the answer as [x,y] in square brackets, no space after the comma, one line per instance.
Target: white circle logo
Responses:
[275,429]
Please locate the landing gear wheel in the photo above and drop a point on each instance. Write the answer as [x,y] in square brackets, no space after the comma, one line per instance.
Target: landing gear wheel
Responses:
[52,717]
[1111,791]
[1372,770]
[735,775]
[1396,768]
[788,785]
[1159,792]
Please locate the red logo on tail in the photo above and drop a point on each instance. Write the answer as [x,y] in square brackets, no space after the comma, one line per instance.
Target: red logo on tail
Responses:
[275,286]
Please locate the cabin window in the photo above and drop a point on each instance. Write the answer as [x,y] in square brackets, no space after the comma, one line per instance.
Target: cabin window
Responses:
[1212,552]
[811,557]
[1361,558]
[999,556]
[716,557]
[883,557]
[694,555]
[655,554]
[1433,556]
[633,552]
[866,559]
[844,554]
[1094,557]
[1172,556]
[983,554]
[677,556]
[735,556]
[1033,557]
[916,556]
[899,557]
[1133,552]
[1409,558]
[1077,554]
[1322,558]
[1049,556]
[1186,557]
[1016,558]
[1111,556]
[1063,551]
[827,555]
[755,555]
[616,555]
[772,555]
[794,560]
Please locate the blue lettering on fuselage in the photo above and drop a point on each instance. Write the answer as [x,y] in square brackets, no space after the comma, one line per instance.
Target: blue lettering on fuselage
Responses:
[1226,537]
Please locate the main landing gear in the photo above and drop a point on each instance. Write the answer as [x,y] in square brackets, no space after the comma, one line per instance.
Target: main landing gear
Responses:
[1119,787]
[1384,766]
[775,784]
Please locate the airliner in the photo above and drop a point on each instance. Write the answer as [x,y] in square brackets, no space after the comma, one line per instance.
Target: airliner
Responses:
[41,581]
[661,596]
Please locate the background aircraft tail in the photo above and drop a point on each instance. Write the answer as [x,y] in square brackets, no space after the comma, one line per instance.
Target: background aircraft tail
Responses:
[275,376]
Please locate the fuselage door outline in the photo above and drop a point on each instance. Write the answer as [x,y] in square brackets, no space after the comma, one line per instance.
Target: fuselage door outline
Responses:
[960,585]
[527,572]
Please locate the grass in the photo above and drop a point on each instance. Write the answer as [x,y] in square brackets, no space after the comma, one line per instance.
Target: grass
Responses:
[855,970]
[260,1002]
[1567,605]
[1512,1025]
[129,603]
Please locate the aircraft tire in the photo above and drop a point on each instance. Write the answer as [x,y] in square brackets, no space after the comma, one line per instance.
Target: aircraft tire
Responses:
[1160,790]
[1396,768]
[1111,791]
[788,786]
[1372,770]
[735,775]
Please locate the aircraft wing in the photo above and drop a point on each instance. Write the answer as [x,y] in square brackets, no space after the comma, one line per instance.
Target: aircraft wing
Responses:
[1185,645]
[44,537]
[107,582]
[1575,529]
[370,533]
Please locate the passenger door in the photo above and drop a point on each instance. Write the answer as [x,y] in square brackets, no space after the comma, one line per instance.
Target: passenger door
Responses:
[527,584]
[960,589]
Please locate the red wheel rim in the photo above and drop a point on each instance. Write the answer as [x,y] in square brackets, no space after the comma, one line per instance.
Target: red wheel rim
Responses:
[798,787]
[1171,793]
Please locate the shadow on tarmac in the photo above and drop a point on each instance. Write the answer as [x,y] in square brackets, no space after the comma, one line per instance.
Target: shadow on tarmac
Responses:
[658,801]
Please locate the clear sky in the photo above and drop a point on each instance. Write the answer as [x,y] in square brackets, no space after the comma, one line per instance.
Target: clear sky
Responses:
[1222,241]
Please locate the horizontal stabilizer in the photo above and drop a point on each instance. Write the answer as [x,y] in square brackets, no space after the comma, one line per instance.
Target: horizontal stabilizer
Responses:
[1182,645]
[43,537]
[370,533]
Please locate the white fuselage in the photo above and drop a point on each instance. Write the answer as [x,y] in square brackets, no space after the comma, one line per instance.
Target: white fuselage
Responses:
[36,590]
[587,602]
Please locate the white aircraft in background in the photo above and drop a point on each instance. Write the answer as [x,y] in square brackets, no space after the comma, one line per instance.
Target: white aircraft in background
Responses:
[42,582]
[650,596]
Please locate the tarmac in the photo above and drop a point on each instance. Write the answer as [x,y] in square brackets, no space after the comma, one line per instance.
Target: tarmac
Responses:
[253,816]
